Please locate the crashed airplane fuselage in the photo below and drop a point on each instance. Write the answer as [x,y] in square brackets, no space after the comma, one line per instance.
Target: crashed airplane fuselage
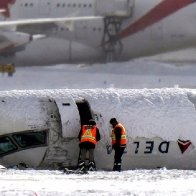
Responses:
[39,129]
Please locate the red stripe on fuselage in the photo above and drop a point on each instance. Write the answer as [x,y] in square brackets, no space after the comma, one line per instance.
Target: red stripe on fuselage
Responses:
[4,4]
[162,10]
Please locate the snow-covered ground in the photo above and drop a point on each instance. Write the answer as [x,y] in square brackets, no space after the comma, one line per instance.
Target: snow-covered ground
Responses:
[133,182]
[134,74]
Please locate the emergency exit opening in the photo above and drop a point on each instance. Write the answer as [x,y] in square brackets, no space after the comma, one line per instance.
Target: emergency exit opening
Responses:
[84,111]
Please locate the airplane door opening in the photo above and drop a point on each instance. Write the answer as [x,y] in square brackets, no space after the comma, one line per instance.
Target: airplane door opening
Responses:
[84,111]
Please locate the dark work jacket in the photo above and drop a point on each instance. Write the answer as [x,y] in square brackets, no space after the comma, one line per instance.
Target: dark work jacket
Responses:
[89,145]
[118,137]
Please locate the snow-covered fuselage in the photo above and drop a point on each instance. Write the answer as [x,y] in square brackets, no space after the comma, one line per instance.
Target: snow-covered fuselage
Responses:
[40,128]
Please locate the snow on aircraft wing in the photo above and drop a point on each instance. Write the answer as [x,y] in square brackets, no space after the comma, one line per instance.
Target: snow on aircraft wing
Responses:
[46,20]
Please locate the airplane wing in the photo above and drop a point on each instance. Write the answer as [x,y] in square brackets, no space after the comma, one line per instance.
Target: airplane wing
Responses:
[15,39]
[46,20]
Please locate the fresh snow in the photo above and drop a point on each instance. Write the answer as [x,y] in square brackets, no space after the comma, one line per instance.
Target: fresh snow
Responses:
[167,102]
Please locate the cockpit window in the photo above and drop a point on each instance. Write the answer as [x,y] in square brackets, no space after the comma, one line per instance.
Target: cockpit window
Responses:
[6,145]
[30,139]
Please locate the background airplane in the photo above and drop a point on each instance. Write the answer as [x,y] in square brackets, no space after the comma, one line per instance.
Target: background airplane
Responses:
[129,29]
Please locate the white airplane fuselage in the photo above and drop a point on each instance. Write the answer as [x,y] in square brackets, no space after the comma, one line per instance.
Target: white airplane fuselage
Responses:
[131,28]
[40,129]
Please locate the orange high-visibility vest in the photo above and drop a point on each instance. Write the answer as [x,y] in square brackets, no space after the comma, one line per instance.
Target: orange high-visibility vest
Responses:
[89,134]
[123,139]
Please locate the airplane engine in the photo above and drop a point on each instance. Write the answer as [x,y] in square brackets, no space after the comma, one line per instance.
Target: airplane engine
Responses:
[14,42]
[16,38]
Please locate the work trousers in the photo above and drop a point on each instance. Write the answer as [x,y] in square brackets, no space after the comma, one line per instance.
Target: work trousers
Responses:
[83,153]
[118,158]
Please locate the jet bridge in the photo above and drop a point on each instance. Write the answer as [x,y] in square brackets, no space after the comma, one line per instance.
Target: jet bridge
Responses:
[114,12]
[114,8]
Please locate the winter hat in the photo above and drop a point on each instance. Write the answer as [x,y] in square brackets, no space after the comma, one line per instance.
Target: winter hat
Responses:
[92,122]
[113,120]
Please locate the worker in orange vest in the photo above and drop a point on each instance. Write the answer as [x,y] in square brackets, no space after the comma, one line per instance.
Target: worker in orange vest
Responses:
[89,135]
[119,142]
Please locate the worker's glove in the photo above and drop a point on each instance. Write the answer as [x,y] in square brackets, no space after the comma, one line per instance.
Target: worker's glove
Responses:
[114,147]
[125,151]
[109,149]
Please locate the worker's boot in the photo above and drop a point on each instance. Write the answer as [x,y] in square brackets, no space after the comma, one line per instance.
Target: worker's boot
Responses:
[117,167]
[81,166]
[91,166]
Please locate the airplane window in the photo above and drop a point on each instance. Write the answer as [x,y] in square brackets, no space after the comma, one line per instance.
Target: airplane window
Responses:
[25,140]
[6,145]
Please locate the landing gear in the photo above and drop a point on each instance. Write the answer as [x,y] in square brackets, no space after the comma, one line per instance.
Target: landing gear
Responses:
[112,45]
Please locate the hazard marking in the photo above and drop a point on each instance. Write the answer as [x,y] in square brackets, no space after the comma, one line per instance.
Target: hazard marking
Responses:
[183,145]
[88,133]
